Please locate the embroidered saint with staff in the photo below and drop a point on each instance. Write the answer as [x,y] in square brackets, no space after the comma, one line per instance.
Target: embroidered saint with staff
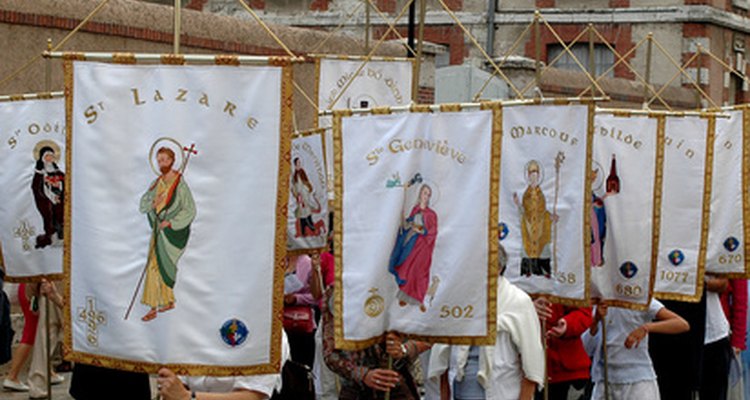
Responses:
[170,208]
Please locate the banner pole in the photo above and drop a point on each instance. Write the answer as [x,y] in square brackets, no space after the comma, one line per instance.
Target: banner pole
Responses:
[420,46]
[546,359]
[604,354]
[367,26]
[48,350]
[390,367]
[592,61]
[538,53]
[177,25]
[649,46]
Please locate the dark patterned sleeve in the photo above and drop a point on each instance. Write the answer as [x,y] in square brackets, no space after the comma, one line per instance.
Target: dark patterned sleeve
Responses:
[338,361]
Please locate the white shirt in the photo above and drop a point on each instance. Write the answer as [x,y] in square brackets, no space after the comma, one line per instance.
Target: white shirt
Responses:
[625,365]
[717,326]
[517,353]
[265,384]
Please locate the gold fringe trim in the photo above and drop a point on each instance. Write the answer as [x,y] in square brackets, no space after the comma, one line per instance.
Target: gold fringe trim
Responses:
[172,59]
[123,58]
[226,59]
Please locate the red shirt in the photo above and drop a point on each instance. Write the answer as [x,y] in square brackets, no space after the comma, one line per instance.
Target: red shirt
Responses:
[734,302]
[567,359]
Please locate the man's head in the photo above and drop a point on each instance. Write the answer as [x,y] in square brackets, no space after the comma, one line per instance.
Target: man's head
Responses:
[532,171]
[165,159]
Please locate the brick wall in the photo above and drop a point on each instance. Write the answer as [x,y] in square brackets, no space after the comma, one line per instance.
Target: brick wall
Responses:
[449,35]
[618,36]
[47,21]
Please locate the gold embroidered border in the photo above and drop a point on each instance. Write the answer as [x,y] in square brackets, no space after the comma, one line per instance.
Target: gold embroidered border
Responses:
[338,227]
[657,203]
[745,183]
[494,201]
[180,369]
[492,260]
[282,197]
[67,317]
[588,181]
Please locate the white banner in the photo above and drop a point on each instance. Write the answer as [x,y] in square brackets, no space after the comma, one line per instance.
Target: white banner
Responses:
[32,175]
[727,250]
[307,225]
[685,205]
[415,211]
[545,199]
[179,186]
[380,83]
[626,202]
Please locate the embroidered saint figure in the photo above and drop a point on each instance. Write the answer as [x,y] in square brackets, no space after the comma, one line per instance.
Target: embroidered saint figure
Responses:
[536,225]
[48,186]
[306,203]
[169,206]
[411,257]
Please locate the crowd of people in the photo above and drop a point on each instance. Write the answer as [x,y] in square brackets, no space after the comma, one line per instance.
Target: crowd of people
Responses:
[672,350]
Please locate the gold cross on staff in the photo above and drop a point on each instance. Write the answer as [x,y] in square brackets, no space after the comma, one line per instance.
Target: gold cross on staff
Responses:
[25,231]
[92,318]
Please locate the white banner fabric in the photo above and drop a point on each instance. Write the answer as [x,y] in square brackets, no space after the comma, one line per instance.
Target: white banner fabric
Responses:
[192,251]
[545,199]
[685,205]
[32,175]
[727,249]
[415,232]
[380,83]
[307,226]
[625,193]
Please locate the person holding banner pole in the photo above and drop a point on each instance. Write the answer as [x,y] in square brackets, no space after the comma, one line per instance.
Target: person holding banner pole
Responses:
[567,362]
[365,374]
[512,369]
[252,387]
[38,369]
[631,373]
[717,350]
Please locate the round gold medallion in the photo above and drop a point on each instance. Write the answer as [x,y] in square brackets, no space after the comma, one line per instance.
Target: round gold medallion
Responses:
[375,304]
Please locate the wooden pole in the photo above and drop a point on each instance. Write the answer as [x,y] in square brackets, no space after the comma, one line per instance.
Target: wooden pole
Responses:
[420,54]
[698,78]
[649,46]
[177,25]
[537,53]
[48,350]
[592,60]
[367,26]
[546,359]
[604,356]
